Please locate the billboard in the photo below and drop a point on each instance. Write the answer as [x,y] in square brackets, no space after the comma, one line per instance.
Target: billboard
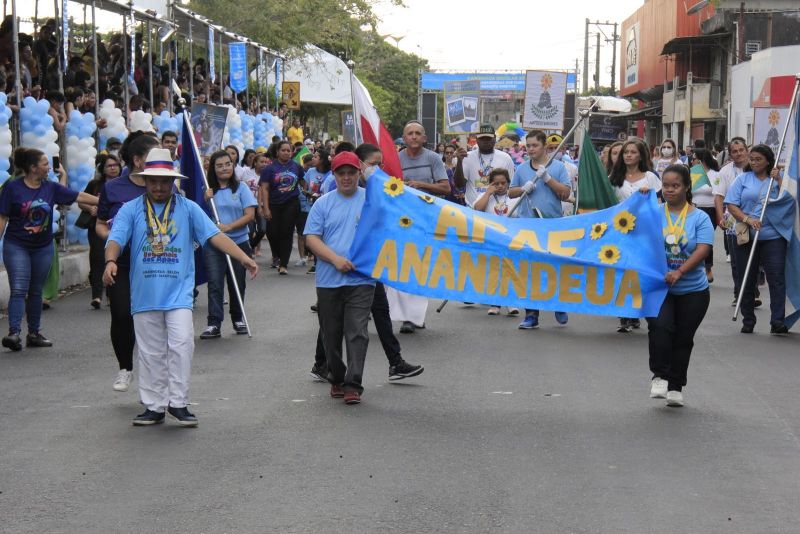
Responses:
[545,96]
[461,100]
[632,47]
[768,125]
[495,82]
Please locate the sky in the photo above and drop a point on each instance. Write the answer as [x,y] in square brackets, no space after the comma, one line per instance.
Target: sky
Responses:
[498,35]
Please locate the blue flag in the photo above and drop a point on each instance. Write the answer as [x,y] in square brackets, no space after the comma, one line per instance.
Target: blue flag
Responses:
[784,215]
[238,66]
[608,262]
[193,186]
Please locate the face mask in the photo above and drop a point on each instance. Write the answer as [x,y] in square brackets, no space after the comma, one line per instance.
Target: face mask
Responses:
[558,155]
[369,171]
[666,152]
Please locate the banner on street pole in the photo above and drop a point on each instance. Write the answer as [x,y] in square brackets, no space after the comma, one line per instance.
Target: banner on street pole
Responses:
[545,99]
[238,66]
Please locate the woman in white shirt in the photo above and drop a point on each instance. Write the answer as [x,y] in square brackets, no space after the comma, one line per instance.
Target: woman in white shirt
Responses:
[632,172]
[668,156]
[703,196]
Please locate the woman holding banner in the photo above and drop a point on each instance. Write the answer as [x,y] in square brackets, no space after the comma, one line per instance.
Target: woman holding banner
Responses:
[632,171]
[745,200]
[688,236]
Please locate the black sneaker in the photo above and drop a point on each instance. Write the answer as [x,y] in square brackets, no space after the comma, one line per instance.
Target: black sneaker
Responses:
[757,303]
[314,308]
[404,370]
[12,341]
[183,415]
[37,340]
[407,327]
[319,373]
[779,329]
[636,324]
[149,417]
[210,332]
[624,326]
[312,269]
[239,327]
[746,329]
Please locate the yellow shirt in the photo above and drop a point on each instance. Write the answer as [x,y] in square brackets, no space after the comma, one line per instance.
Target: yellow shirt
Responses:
[295,135]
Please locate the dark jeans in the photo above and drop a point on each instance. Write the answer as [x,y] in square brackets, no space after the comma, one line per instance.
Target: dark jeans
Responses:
[280,230]
[343,313]
[123,337]
[97,263]
[217,272]
[258,229]
[731,241]
[383,324]
[712,214]
[771,256]
[671,335]
[27,271]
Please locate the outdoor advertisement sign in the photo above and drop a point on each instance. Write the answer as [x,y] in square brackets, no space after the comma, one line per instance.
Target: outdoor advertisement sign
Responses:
[545,98]
[461,100]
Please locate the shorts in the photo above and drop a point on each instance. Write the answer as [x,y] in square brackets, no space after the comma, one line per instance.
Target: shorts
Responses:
[301,222]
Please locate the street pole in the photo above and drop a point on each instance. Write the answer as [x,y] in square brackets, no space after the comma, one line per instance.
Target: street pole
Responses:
[597,65]
[614,38]
[586,58]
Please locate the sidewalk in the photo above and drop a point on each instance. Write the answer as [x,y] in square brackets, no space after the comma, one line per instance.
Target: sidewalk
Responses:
[74,265]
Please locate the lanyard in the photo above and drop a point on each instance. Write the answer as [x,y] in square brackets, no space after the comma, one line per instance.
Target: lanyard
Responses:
[153,222]
[675,229]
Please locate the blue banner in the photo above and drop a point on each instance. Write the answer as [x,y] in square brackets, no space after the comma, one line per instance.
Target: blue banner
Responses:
[608,262]
[497,81]
[238,66]
[193,186]
[64,34]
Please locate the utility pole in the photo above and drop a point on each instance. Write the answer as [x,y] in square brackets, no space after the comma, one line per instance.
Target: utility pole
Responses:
[586,58]
[597,66]
[614,39]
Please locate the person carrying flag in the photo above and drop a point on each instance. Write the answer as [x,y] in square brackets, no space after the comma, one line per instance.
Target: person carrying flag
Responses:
[161,227]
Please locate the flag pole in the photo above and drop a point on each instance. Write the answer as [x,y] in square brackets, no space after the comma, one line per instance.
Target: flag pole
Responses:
[357,127]
[792,106]
[188,123]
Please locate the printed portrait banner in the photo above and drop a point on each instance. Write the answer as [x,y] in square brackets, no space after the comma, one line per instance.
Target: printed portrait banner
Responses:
[461,101]
[608,262]
[238,66]
[768,125]
[208,126]
[545,100]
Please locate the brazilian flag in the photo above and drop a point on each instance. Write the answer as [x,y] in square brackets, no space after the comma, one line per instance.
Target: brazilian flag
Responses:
[699,177]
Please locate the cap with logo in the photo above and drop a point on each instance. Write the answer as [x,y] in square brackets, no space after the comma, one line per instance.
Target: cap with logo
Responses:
[486,130]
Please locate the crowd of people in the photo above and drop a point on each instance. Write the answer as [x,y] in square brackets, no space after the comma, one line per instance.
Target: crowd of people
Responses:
[140,224]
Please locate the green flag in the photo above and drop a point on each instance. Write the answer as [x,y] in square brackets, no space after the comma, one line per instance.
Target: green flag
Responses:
[595,192]
[298,158]
[699,177]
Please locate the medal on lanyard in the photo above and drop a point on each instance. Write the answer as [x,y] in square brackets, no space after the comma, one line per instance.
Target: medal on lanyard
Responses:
[160,237]
[675,230]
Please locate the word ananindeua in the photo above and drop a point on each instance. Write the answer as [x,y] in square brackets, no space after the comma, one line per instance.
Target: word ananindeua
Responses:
[437,266]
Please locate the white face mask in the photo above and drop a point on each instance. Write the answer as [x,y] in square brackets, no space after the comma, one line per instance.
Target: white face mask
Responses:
[666,151]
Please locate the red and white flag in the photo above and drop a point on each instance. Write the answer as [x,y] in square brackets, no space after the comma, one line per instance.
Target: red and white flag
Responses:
[373,130]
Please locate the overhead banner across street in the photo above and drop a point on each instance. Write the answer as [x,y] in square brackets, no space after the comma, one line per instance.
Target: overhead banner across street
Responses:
[608,262]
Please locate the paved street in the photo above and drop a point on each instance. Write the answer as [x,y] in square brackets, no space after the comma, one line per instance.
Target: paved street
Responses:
[506,431]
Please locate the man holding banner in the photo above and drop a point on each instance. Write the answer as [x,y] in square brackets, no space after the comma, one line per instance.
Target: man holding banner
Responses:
[543,189]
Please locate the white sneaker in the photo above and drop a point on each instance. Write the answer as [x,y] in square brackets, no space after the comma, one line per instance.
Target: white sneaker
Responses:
[123,381]
[513,312]
[674,398]
[727,258]
[658,388]
[300,263]
[494,310]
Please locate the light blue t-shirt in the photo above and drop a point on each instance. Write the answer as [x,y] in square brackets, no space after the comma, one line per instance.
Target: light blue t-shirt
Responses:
[748,192]
[697,230]
[329,184]
[334,218]
[542,196]
[162,281]
[230,207]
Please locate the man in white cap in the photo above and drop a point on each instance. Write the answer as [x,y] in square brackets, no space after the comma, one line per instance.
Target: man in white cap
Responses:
[473,168]
[162,227]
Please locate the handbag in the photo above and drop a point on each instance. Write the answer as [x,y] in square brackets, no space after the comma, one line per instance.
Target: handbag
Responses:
[742,233]
[84,220]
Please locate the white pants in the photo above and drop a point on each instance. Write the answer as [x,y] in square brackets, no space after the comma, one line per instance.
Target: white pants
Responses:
[406,307]
[166,345]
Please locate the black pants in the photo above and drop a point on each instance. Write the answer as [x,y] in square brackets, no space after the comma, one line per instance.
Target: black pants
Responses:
[123,337]
[712,214]
[97,262]
[770,255]
[258,229]
[280,230]
[671,335]
[343,314]
[383,324]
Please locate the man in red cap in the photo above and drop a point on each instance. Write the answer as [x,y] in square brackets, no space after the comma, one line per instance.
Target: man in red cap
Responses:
[344,297]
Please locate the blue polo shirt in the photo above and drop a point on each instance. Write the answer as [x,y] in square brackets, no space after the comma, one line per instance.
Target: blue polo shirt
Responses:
[542,196]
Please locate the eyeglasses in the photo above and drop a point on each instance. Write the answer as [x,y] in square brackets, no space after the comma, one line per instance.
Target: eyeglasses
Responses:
[223,165]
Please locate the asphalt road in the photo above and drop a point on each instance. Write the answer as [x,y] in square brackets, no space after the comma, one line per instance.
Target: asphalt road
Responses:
[506,431]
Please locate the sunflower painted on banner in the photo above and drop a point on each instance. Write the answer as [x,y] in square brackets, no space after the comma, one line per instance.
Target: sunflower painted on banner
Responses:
[608,262]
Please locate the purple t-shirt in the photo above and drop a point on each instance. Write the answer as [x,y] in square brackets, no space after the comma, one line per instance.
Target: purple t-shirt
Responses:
[113,195]
[30,211]
[283,180]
